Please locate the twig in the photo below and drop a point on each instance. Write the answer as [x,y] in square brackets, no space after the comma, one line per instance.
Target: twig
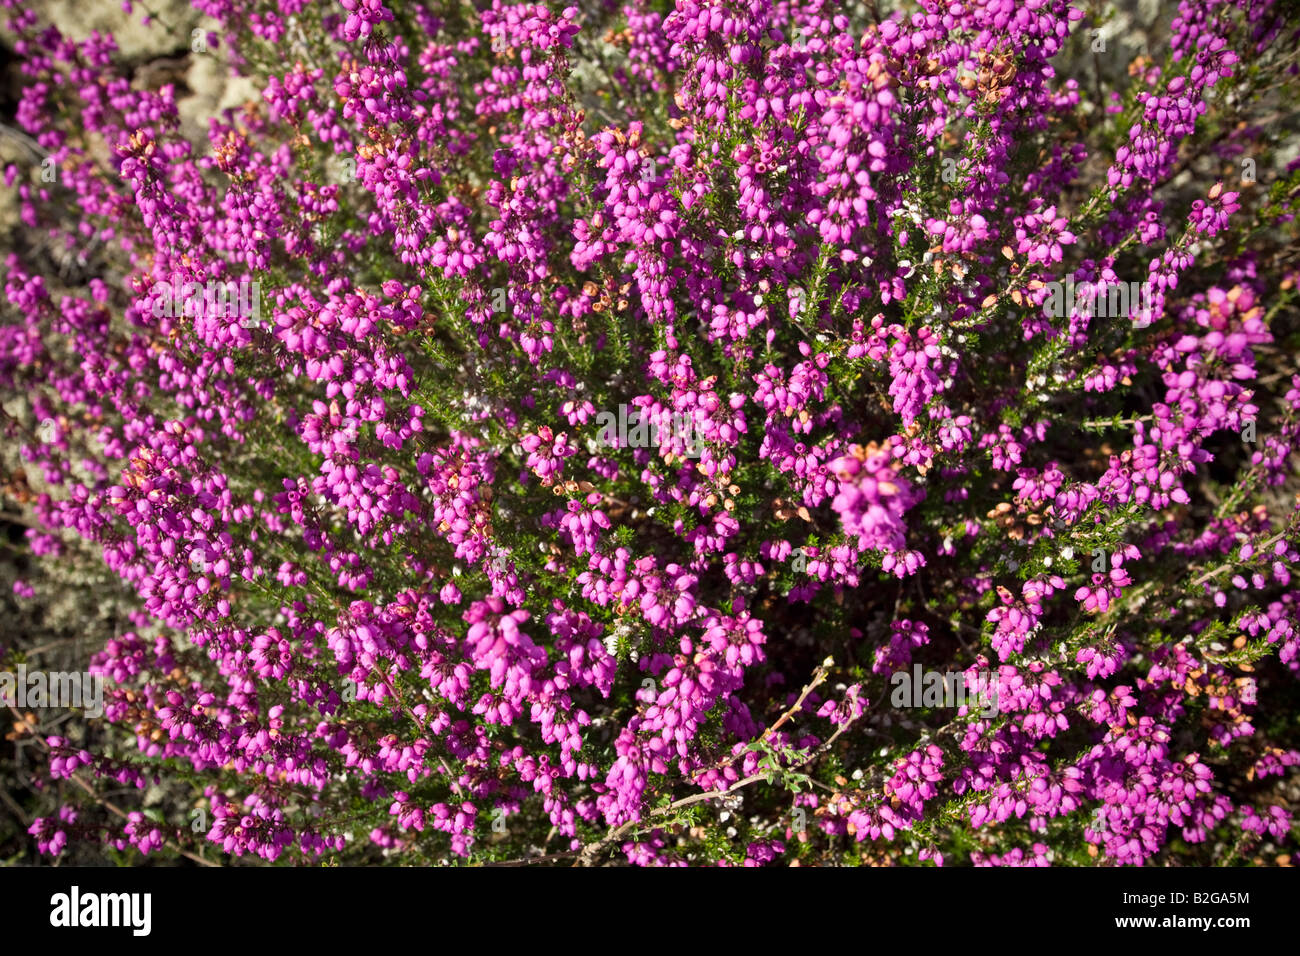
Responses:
[1110,423]
[374,672]
[13,806]
[108,804]
[525,861]
[819,676]
[589,854]
[1215,572]
[23,139]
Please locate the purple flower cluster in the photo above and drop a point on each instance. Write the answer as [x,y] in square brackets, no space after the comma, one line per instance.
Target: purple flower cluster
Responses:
[392,594]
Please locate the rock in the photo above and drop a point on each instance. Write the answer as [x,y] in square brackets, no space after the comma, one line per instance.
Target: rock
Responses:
[169,34]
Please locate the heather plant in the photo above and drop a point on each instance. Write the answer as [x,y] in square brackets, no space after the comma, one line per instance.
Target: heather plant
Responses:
[390,591]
